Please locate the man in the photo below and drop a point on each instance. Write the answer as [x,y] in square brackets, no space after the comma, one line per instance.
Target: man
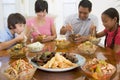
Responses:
[82,23]
[16,24]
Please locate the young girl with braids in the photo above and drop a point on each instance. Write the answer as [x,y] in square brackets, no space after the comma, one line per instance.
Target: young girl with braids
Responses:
[110,19]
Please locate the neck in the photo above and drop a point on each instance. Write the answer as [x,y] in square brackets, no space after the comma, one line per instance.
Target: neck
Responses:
[114,27]
[12,31]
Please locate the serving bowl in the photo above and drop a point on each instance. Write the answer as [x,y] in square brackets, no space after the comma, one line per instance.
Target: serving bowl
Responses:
[17,51]
[62,44]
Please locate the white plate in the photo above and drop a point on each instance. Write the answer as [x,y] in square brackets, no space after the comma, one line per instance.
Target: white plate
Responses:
[81,62]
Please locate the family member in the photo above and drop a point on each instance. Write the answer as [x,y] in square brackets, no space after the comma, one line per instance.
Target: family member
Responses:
[81,23]
[42,24]
[16,25]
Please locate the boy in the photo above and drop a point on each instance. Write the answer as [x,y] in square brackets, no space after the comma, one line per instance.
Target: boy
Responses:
[16,25]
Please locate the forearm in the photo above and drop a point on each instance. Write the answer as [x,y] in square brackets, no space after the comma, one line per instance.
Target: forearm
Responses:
[54,37]
[7,44]
[63,30]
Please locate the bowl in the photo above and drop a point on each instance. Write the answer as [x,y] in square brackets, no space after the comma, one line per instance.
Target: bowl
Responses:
[17,51]
[87,48]
[98,69]
[35,47]
[95,40]
[73,36]
[62,44]
[19,70]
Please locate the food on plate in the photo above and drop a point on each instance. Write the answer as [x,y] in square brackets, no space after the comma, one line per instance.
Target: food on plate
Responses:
[73,36]
[70,56]
[20,70]
[40,37]
[43,57]
[17,51]
[35,47]
[87,47]
[58,61]
[62,44]
[98,68]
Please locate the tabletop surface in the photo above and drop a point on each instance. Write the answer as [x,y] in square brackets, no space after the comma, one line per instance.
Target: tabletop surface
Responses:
[75,74]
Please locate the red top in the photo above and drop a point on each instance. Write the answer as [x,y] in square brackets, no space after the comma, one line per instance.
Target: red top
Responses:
[110,37]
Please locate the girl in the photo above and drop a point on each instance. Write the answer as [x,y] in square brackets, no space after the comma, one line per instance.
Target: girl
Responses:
[110,19]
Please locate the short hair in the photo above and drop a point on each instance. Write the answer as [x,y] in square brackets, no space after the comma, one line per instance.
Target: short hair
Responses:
[112,13]
[15,18]
[41,5]
[86,4]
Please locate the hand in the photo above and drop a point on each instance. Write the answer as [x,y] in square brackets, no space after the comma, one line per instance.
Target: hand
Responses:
[20,38]
[81,39]
[47,38]
[68,27]
[93,30]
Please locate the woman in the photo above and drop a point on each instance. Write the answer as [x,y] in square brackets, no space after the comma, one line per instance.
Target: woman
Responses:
[41,24]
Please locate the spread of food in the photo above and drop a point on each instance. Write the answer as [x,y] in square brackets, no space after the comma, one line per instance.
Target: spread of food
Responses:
[87,47]
[20,70]
[58,61]
[55,60]
[98,68]
[17,51]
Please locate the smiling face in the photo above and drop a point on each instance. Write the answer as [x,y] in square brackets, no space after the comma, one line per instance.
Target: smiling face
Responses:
[83,12]
[41,14]
[19,28]
[108,22]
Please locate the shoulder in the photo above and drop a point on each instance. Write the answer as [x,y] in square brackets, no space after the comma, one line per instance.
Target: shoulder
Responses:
[30,19]
[73,16]
[91,16]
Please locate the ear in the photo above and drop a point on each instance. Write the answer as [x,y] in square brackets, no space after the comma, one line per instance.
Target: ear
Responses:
[115,19]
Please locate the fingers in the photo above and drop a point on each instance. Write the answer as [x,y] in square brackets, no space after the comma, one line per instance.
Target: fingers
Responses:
[69,27]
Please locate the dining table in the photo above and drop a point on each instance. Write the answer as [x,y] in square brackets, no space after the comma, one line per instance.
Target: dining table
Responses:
[75,74]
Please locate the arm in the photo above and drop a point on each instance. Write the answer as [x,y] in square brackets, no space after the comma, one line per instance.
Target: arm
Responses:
[66,28]
[100,34]
[53,31]
[7,44]
[4,45]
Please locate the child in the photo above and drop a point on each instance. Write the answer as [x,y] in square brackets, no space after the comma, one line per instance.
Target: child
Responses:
[16,24]
[110,19]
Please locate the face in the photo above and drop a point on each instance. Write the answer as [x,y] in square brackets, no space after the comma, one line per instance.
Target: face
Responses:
[108,22]
[41,14]
[19,28]
[83,12]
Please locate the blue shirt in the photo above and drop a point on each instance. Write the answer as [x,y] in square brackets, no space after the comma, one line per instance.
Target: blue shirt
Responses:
[6,35]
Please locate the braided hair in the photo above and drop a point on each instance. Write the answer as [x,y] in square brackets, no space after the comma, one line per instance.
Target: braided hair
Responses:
[112,13]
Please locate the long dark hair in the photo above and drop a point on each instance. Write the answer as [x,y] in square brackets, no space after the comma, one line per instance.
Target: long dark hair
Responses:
[112,13]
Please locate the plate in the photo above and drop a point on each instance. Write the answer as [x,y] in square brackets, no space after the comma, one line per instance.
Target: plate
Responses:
[81,62]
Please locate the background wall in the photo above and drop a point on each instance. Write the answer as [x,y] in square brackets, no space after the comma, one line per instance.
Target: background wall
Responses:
[60,9]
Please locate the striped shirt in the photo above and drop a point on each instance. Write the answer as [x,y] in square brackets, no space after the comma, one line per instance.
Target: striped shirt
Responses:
[79,26]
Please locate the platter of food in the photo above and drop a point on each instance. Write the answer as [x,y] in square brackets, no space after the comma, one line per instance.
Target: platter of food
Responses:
[57,61]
